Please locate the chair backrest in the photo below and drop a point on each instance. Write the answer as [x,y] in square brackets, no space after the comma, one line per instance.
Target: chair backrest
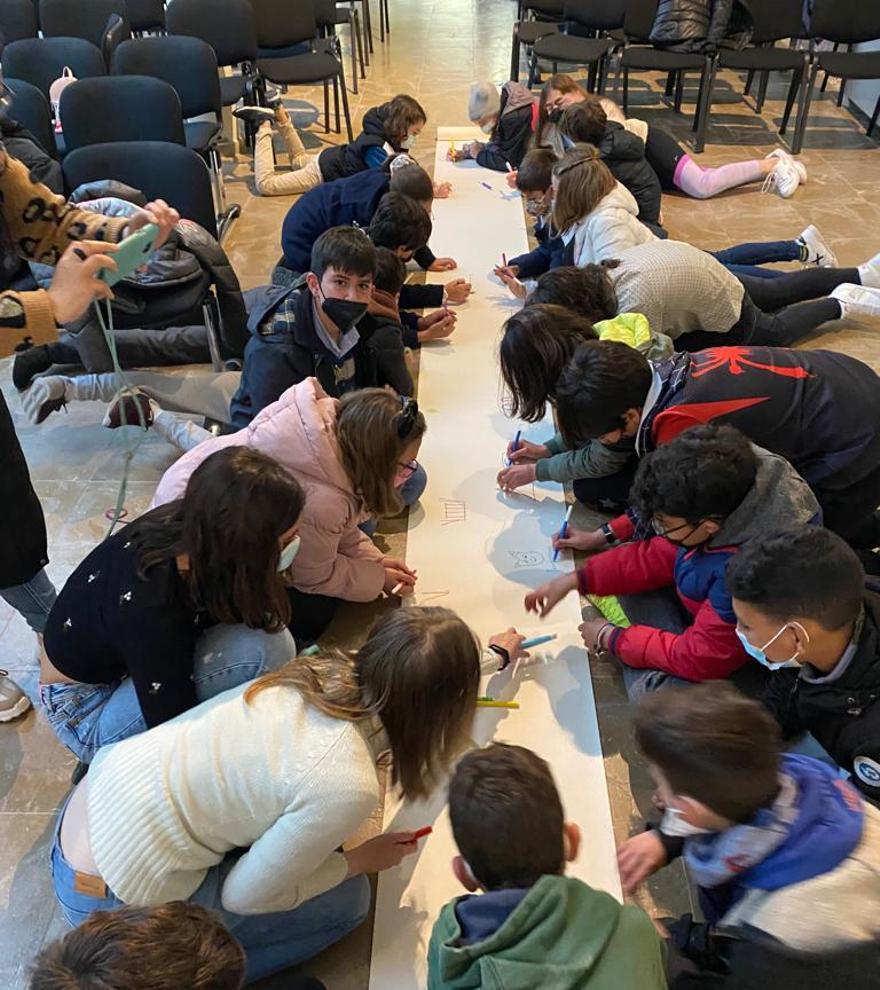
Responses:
[120,108]
[845,21]
[31,109]
[773,20]
[79,18]
[40,61]
[325,12]
[18,19]
[226,25]
[601,15]
[639,20]
[187,64]
[284,23]
[160,170]
[146,15]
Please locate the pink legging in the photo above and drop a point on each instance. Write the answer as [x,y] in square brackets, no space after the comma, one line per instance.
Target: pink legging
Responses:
[703,183]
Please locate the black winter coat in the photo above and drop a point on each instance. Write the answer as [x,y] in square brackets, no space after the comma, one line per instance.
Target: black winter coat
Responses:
[343,160]
[624,154]
[697,25]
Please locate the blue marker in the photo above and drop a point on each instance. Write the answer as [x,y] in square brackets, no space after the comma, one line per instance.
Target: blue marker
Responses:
[514,445]
[538,641]
[564,531]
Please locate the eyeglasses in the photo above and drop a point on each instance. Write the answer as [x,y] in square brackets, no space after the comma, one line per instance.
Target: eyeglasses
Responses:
[407,417]
[408,469]
[666,533]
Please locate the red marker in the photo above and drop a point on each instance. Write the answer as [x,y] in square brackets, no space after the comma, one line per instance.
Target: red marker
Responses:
[422,832]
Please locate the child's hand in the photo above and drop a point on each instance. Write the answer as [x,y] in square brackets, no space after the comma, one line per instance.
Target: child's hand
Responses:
[581,539]
[512,642]
[505,272]
[511,179]
[458,290]
[514,286]
[515,476]
[527,452]
[443,265]
[545,598]
[380,853]
[440,329]
[590,632]
[442,190]
[455,156]
[472,149]
[438,316]
[397,573]
[639,858]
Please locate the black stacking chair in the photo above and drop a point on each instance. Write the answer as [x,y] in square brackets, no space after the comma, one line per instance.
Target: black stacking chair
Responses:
[190,66]
[595,17]
[639,55]
[40,61]
[31,109]
[18,19]
[85,19]
[146,16]
[533,21]
[845,22]
[291,53]
[120,108]
[228,27]
[329,16]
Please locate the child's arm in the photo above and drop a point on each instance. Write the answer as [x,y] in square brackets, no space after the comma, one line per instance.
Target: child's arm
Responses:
[593,461]
[645,565]
[421,297]
[532,264]
[387,345]
[510,140]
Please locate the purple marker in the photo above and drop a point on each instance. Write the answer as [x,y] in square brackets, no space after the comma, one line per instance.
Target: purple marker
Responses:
[486,185]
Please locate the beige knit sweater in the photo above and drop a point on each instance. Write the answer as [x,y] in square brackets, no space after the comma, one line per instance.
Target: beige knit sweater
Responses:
[274,776]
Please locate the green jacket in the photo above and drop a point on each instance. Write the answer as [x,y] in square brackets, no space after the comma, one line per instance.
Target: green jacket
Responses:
[595,460]
[563,935]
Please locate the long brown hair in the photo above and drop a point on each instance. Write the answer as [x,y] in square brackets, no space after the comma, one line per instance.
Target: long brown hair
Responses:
[418,673]
[401,113]
[236,505]
[373,428]
[564,84]
[582,181]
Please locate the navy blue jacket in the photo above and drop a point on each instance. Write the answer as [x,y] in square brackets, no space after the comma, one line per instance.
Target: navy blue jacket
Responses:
[548,254]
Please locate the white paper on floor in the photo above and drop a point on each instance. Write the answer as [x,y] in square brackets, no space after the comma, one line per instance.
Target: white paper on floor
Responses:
[478,552]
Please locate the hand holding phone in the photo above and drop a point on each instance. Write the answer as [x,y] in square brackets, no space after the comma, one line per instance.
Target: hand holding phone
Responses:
[130,254]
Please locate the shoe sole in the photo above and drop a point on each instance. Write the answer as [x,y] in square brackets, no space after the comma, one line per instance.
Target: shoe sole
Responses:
[17,710]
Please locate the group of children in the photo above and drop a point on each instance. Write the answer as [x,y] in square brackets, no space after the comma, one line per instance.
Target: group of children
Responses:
[226,758]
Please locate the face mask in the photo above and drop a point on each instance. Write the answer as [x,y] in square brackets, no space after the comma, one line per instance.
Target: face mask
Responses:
[761,656]
[288,554]
[488,128]
[408,142]
[345,313]
[537,208]
[554,115]
[674,824]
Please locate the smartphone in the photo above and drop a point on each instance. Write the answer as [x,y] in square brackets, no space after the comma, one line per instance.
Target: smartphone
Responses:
[130,254]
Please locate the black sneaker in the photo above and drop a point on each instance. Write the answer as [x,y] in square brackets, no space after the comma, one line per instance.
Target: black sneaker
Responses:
[28,364]
[254,115]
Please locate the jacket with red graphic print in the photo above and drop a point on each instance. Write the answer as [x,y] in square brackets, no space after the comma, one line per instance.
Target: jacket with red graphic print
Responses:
[709,648]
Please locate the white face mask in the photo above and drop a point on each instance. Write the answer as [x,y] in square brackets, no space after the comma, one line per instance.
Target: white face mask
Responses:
[409,141]
[287,555]
[488,128]
[673,824]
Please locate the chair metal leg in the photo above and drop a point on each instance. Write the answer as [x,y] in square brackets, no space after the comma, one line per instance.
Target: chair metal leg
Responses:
[338,124]
[625,100]
[368,29]
[533,69]
[670,82]
[592,71]
[382,21]
[679,90]
[353,37]
[326,107]
[360,43]
[514,54]
[346,112]
[806,100]
[387,16]
[793,88]
[750,78]
[762,91]
[700,118]
[873,120]
[840,92]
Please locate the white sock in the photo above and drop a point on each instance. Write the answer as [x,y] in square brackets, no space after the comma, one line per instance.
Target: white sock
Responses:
[869,272]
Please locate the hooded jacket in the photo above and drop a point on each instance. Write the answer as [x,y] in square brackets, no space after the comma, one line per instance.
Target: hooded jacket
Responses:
[342,160]
[843,714]
[513,129]
[611,228]
[624,154]
[299,431]
[558,935]
[709,648]
[700,25]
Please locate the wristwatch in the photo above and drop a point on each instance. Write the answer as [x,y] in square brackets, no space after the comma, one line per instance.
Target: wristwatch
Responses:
[608,533]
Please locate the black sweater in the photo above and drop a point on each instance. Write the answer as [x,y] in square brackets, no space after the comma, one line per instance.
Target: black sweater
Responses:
[108,623]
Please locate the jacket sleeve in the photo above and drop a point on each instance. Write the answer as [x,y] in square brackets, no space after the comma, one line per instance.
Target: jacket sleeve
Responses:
[268,371]
[424,257]
[340,562]
[387,344]
[421,297]
[511,139]
[635,567]
[777,700]
[534,263]
[593,461]
[410,324]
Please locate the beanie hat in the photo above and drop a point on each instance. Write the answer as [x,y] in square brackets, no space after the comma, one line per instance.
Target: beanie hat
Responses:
[483,100]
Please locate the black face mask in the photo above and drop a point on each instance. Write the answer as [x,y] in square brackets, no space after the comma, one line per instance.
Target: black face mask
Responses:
[555,115]
[344,312]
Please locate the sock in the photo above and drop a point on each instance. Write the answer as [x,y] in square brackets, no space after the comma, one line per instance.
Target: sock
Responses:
[869,272]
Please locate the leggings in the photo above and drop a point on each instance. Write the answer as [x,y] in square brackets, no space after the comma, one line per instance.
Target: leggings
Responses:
[677,170]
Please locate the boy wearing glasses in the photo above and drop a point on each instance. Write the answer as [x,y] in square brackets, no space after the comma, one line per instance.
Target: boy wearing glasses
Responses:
[695,502]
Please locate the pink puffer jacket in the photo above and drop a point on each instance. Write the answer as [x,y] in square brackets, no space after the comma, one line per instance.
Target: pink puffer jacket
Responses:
[298,430]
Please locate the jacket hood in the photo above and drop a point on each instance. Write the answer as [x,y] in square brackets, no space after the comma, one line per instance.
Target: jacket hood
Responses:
[620,198]
[537,944]
[373,124]
[618,144]
[515,96]
[779,500]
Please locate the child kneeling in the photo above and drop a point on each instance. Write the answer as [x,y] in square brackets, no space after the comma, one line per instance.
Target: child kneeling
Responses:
[531,925]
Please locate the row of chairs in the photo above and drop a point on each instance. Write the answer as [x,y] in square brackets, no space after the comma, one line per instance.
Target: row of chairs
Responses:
[589,32]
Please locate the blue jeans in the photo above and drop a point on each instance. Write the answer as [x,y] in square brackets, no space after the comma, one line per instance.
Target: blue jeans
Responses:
[410,491]
[745,259]
[33,599]
[272,942]
[86,717]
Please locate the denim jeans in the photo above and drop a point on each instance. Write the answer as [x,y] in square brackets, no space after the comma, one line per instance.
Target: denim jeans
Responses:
[86,717]
[272,942]
[410,491]
[745,259]
[33,599]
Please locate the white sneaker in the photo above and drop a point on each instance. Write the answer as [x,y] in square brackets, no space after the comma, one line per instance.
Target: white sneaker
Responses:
[799,166]
[13,701]
[44,396]
[785,178]
[857,300]
[818,252]
[869,273]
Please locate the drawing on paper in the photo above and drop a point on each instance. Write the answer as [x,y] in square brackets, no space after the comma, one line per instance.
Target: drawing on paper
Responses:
[454,510]
[430,597]
[526,558]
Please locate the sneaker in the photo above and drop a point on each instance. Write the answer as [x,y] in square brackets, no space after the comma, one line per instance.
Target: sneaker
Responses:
[254,115]
[869,272]
[45,396]
[273,95]
[131,408]
[28,364]
[13,701]
[818,252]
[798,165]
[857,300]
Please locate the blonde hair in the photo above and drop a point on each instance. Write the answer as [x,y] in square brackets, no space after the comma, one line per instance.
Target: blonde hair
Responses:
[418,673]
[373,428]
[582,181]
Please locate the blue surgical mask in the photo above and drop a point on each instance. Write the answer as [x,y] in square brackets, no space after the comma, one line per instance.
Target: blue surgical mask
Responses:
[287,555]
[760,654]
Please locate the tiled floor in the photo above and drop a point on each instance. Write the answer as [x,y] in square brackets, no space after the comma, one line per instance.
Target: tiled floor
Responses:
[437,47]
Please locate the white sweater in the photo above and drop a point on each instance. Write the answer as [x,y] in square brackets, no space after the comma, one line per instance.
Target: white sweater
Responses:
[612,228]
[275,775]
